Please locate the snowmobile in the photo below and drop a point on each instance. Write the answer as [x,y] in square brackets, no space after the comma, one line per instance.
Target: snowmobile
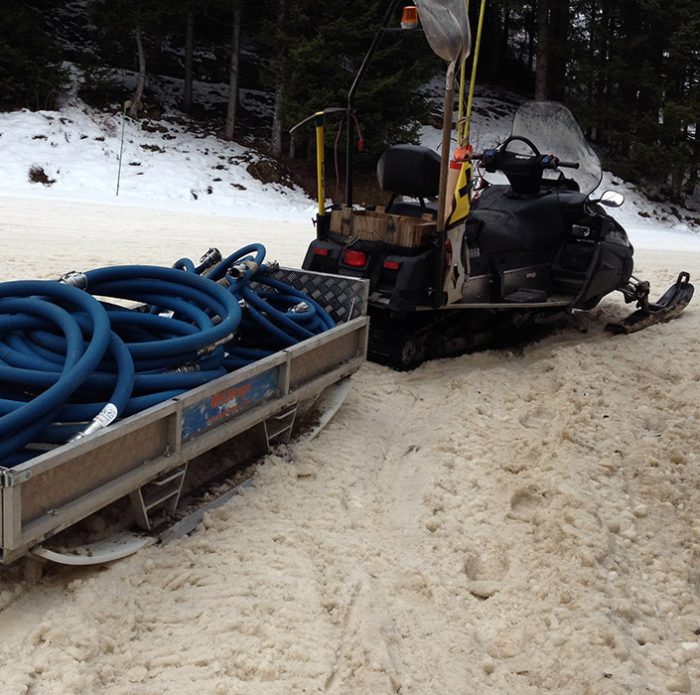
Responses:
[453,269]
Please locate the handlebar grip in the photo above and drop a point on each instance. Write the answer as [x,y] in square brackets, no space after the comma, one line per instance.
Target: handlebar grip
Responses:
[569,165]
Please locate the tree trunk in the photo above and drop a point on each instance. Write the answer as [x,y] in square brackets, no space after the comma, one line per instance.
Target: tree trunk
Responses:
[542,64]
[189,48]
[233,73]
[277,121]
[137,98]
[677,175]
[491,59]
[530,28]
[603,86]
[279,92]
[558,49]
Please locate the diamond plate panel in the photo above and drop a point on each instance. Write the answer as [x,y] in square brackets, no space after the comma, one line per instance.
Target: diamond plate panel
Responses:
[344,298]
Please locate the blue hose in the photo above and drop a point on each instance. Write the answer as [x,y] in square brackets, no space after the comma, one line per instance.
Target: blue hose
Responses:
[40,298]
[71,364]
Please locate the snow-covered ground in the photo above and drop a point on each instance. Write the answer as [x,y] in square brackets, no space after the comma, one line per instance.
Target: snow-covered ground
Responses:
[164,165]
[494,523]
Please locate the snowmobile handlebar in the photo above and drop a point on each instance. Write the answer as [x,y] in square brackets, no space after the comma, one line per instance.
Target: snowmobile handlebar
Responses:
[524,171]
[549,161]
[569,165]
[502,158]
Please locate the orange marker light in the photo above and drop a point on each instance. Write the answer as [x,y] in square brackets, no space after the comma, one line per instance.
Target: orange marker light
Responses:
[409,17]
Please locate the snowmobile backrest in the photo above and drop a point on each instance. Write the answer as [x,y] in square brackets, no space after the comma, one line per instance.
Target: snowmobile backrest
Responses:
[410,170]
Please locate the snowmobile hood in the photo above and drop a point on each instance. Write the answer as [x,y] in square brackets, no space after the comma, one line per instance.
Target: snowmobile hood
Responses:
[553,128]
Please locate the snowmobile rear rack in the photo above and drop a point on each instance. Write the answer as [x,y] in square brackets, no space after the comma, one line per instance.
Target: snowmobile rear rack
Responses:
[673,301]
[144,456]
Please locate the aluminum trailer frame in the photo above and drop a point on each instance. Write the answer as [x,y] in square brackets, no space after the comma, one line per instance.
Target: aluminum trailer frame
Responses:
[55,490]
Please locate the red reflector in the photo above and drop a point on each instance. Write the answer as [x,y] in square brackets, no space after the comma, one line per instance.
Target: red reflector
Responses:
[320,251]
[356,259]
[392,265]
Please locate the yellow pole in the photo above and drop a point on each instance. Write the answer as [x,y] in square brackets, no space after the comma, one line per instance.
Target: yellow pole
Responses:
[320,162]
[462,79]
[475,61]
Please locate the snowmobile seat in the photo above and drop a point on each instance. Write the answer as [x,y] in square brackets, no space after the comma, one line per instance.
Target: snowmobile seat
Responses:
[412,171]
[510,223]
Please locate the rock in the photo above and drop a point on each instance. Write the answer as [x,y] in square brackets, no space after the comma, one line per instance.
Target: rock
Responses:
[484,588]
[643,635]
[268,171]
[680,683]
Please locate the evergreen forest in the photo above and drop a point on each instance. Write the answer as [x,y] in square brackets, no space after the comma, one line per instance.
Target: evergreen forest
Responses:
[628,69]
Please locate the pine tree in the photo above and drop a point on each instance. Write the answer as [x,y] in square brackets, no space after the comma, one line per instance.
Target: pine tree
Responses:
[30,63]
[123,22]
[637,87]
[316,50]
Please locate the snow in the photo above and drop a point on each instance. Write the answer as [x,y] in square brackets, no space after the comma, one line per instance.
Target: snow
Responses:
[78,149]
[494,523]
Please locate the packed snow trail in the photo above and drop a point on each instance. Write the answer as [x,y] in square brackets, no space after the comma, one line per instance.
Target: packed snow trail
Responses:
[492,523]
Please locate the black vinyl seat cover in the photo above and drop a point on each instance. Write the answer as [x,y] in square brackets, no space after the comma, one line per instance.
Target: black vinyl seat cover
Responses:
[410,170]
[532,223]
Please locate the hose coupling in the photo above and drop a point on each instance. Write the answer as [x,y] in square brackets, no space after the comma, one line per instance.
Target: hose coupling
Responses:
[184,368]
[105,417]
[210,258]
[243,268]
[74,278]
[210,348]
[300,308]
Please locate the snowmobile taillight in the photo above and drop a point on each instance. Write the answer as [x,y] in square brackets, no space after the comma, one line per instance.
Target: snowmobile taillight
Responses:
[448,253]
[392,265]
[355,259]
[320,251]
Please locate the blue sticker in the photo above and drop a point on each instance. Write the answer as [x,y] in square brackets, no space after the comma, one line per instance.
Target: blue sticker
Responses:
[231,401]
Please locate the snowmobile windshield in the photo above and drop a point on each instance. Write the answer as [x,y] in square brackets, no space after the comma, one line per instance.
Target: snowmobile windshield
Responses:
[553,129]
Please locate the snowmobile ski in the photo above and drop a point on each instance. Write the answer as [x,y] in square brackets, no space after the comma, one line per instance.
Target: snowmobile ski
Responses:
[674,300]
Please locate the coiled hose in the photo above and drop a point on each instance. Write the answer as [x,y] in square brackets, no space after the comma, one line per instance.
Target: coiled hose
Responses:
[71,364]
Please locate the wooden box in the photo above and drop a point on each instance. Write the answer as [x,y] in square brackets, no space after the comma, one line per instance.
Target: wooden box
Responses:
[378,225]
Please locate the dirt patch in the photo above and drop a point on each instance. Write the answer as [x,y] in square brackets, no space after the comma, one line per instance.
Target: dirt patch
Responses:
[38,175]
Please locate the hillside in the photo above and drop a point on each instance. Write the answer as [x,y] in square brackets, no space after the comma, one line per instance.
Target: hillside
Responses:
[171,162]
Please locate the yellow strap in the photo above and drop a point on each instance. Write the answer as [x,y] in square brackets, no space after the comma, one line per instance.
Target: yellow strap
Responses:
[472,83]
[462,78]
